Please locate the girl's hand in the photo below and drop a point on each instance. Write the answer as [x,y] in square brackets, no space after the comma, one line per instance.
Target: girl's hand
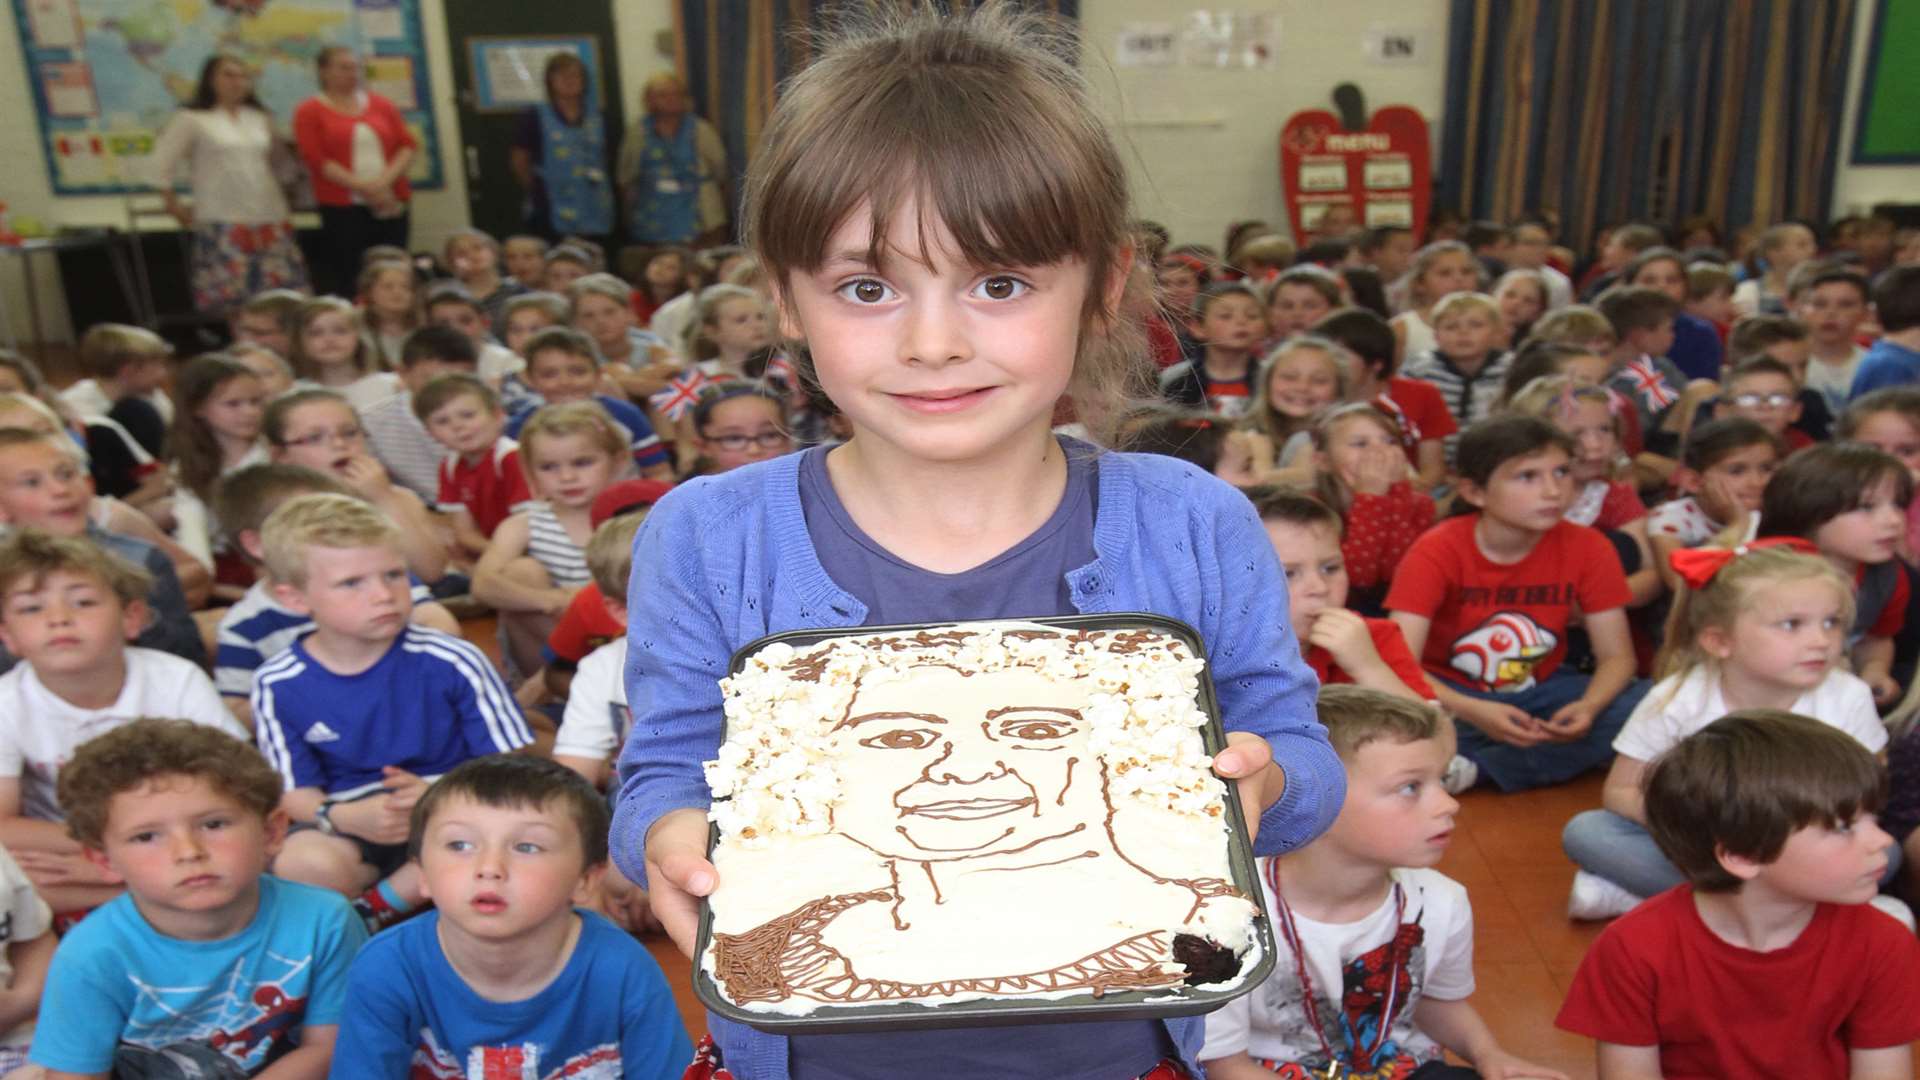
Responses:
[1507,723]
[49,869]
[1249,760]
[1375,471]
[1344,635]
[679,873]
[1236,465]
[1717,491]
[1571,721]
[1886,689]
[366,476]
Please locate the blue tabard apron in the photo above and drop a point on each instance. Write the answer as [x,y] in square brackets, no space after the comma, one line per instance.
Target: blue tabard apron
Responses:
[667,209]
[573,171]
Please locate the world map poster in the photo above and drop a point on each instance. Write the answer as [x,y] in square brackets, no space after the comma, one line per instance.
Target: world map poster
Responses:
[108,74]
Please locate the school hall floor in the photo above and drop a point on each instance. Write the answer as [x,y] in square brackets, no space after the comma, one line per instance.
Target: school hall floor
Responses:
[1505,850]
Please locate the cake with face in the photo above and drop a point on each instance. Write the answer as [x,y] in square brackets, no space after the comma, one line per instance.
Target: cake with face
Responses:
[986,811]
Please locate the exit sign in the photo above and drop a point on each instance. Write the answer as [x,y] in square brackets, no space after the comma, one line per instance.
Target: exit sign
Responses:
[1397,45]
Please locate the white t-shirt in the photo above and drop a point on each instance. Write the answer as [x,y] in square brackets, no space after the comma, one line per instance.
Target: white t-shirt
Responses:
[1420,338]
[23,917]
[369,390]
[1271,1022]
[1835,381]
[39,731]
[596,719]
[497,362]
[1680,705]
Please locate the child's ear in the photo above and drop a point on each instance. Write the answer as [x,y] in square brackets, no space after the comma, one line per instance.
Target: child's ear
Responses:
[616,609]
[1116,288]
[1474,494]
[133,619]
[1716,642]
[250,543]
[99,859]
[294,600]
[6,640]
[588,888]
[1793,411]
[1740,866]
[1686,481]
[276,834]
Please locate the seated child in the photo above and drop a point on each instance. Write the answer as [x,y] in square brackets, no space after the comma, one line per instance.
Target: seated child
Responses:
[602,311]
[1786,340]
[1466,364]
[1642,320]
[257,627]
[1769,961]
[1301,376]
[67,610]
[1603,497]
[1340,645]
[588,624]
[1697,350]
[1757,627]
[537,557]
[1724,469]
[525,258]
[126,370]
[1894,359]
[397,436]
[1377,946]
[506,976]
[449,304]
[272,369]
[530,313]
[361,714]
[389,300]
[565,264]
[1485,600]
[267,318]
[1764,391]
[330,351]
[736,423]
[595,723]
[481,479]
[1831,302]
[1889,421]
[44,485]
[1438,270]
[1229,323]
[1783,247]
[1851,502]
[26,948]
[206,967]
[1710,296]
[1416,407]
[321,430]
[563,368]
[1300,297]
[474,258]
[1357,472]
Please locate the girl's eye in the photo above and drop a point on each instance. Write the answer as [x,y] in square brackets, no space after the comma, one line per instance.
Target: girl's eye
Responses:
[1328,569]
[141,838]
[865,291]
[901,739]
[1002,288]
[1790,624]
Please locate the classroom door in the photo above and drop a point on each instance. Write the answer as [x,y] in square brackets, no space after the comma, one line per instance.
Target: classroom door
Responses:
[499,53]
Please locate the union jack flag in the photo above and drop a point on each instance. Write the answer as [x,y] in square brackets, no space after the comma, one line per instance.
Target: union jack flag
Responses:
[681,394]
[1650,384]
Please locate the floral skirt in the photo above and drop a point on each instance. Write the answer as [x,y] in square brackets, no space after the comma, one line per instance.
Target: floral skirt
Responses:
[232,262]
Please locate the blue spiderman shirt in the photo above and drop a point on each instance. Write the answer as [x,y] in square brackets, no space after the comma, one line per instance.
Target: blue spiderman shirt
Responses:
[120,991]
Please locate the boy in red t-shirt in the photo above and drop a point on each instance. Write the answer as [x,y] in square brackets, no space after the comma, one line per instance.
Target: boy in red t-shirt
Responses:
[482,481]
[1485,599]
[588,622]
[1339,645]
[1770,961]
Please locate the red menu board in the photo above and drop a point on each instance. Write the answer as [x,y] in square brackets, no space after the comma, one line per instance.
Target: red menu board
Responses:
[1382,174]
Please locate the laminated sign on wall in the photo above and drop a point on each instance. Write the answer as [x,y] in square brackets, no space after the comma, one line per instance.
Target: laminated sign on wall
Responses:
[1383,173]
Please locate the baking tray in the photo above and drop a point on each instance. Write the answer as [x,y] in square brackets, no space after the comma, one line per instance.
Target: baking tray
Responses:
[1152,1004]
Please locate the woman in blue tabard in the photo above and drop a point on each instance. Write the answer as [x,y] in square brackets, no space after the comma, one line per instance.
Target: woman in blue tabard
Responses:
[560,156]
[672,166]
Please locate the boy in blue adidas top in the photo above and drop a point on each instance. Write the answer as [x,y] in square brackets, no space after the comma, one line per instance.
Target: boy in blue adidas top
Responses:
[362,713]
[257,627]
[205,966]
[507,977]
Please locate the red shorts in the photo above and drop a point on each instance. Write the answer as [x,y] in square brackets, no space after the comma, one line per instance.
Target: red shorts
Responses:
[706,1066]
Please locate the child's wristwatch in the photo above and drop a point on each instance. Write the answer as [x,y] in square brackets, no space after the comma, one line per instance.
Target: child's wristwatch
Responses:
[323,818]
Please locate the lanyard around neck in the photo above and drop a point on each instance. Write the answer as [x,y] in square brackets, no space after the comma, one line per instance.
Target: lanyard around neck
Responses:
[1396,961]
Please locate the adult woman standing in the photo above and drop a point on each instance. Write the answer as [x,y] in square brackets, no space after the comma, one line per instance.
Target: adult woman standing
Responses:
[671,168]
[560,156]
[241,226]
[358,149]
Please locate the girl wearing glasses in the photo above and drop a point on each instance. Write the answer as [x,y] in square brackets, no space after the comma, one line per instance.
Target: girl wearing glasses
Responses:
[737,424]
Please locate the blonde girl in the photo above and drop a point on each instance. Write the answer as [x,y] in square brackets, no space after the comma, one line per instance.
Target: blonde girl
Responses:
[1360,469]
[730,323]
[537,558]
[222,406]
[1604,496]
[1303,375]
[389,309]
[319,428]
[330,351]
[1760,626]
[955,270]
[1522,296]
[1439,269]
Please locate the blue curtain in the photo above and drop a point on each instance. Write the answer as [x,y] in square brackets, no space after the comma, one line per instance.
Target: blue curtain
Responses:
[734,54]
[1618,110]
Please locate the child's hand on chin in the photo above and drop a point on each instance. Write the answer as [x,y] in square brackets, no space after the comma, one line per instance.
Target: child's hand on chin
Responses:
[678,873]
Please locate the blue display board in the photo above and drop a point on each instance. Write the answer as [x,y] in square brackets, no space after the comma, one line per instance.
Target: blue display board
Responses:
[107,74]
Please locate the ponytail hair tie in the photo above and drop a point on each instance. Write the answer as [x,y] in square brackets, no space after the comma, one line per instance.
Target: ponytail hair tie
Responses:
[1697,566]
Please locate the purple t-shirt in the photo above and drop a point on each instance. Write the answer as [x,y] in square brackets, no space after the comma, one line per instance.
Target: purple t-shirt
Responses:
[1026,581]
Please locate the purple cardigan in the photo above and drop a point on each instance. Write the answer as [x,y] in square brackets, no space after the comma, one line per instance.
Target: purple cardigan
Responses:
[727,559]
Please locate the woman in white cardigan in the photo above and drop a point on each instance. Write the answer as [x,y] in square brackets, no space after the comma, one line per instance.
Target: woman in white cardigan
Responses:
[242,228]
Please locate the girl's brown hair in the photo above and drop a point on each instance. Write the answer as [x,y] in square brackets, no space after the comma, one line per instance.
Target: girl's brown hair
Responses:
[1722,600]
[1902,400]
[190,442]
[982,120]
[303,365]
[1261,417]
[1822,482]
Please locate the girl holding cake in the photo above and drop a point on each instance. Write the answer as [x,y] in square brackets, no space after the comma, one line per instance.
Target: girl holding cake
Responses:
[956,254]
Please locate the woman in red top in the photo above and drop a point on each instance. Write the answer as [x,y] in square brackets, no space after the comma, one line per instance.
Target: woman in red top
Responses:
[358,149]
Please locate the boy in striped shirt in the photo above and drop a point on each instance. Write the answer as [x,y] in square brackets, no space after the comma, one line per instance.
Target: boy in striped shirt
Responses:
[361,714]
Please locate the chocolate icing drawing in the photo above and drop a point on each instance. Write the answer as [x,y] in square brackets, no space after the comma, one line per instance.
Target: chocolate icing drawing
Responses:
[993,771]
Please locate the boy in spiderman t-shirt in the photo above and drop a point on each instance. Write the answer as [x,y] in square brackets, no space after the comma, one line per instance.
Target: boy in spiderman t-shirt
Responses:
[1484,600]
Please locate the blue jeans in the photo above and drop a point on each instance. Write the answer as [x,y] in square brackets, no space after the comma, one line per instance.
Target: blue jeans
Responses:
[1620,850]
[1517,768]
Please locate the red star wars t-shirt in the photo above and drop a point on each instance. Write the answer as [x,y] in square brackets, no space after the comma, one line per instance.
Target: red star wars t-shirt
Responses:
[1503,627]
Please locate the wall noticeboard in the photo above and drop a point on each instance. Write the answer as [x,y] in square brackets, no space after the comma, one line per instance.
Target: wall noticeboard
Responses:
[1887,127]
[1383,174]
[509,73]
